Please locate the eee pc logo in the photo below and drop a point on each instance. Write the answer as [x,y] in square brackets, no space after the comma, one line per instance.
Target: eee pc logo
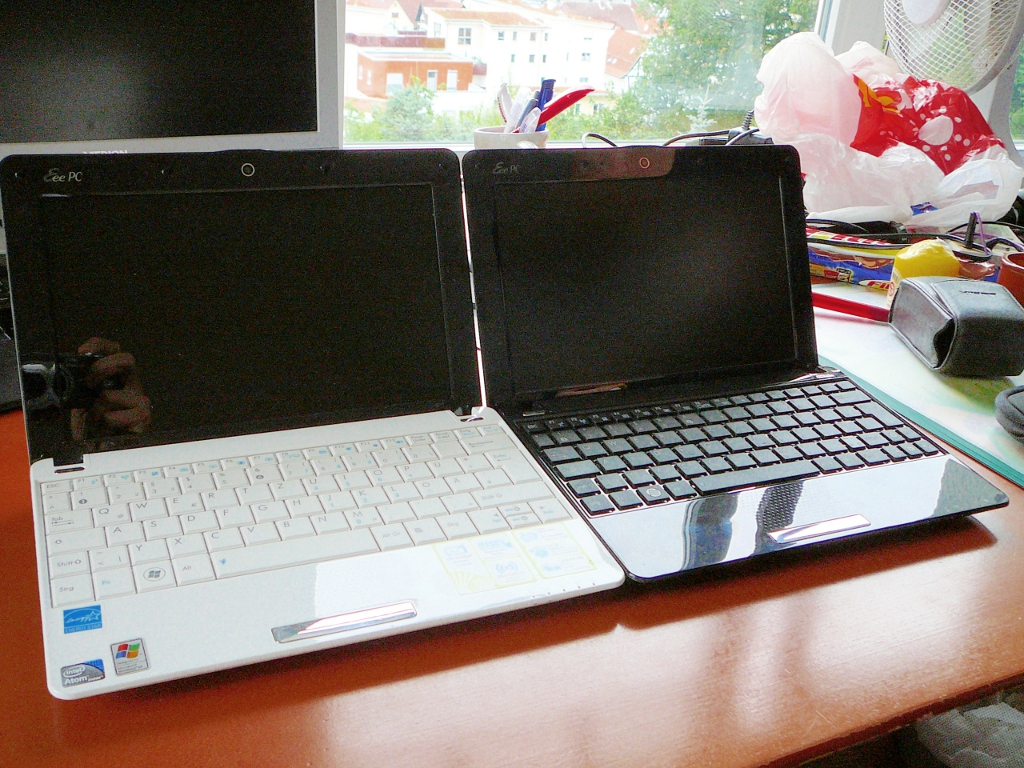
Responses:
[501,168]
[57,176]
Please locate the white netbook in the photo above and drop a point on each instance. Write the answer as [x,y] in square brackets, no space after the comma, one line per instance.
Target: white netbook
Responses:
[253,410]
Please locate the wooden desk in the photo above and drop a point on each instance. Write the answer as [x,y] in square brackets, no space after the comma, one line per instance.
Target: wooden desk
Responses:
[774,663]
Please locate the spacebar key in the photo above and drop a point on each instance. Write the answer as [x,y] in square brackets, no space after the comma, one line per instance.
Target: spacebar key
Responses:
[310,549]
[741,478]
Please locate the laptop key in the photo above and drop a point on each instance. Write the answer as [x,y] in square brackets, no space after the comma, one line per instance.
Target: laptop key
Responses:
[827,464]
[584,487]
[611,464]
[626,499]
[872,456]
[717,464]
[617,445]
[575,469]
[653,494]
[689,452]
[664,474]
[591,450]
[312,549]
[638,460]
[691,469]
[663,456]
[643,442]
[741,478]
[639,477]
[560,454]
[617,430]
[598,505]
[680,489]
[612,482]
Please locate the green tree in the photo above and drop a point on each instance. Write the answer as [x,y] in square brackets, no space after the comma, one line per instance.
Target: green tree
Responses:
[408,114]
[709,53]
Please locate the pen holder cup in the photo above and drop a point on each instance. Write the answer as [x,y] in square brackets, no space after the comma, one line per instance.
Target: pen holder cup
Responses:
[494,137]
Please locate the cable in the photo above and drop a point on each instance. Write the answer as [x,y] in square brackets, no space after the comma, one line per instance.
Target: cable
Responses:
[741,135]
[606,140]
[836,223]
[697,135]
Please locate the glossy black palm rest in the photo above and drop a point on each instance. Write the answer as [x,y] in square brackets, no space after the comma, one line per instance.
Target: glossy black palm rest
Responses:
[621,459]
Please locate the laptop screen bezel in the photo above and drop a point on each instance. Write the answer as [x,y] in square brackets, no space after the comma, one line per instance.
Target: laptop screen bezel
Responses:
[485,171]
[26,181]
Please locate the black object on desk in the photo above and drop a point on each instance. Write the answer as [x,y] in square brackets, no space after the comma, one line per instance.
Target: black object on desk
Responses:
[1010,411]
[960,327]
[10,387]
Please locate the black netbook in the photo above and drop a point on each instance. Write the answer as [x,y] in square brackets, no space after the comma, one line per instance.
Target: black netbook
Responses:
[646,325]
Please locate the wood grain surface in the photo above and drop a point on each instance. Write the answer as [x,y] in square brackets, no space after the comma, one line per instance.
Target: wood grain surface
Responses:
[773,662]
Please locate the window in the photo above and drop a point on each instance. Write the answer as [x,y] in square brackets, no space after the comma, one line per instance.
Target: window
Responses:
[667,67]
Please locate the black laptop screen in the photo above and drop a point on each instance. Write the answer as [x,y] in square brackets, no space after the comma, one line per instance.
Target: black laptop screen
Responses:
[254,307]
[625,280]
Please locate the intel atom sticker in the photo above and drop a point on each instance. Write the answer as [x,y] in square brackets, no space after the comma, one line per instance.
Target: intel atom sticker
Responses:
[86,672]
[82,619]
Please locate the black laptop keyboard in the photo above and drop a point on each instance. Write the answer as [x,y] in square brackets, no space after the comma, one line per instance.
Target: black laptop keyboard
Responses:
[623,459]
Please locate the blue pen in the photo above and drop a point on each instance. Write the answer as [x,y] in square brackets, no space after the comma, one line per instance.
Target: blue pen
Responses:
[547,90]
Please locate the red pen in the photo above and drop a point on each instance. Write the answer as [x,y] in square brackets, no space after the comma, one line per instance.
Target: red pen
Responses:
[836,304]
[562,103]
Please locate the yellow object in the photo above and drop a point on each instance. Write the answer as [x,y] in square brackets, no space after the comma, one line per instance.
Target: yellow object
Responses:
[923,259]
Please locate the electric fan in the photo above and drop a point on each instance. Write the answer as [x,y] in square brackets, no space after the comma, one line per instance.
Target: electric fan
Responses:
[971,44]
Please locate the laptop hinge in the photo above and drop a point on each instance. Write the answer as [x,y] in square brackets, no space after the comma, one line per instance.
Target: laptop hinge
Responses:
[69,462]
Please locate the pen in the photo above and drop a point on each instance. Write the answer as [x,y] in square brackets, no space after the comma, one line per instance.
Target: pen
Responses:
[530,105]
[836,304]
[530,122]
[504,101]
[562,103]
[547,90]
[518,110]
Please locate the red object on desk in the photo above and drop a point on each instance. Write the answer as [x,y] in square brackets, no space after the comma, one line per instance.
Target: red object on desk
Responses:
[836,304]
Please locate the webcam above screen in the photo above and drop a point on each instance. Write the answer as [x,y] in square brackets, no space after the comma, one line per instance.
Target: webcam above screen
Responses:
[169,76]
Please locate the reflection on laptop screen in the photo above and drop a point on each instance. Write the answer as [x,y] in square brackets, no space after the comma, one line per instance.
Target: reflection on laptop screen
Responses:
[634,279]
[255,305]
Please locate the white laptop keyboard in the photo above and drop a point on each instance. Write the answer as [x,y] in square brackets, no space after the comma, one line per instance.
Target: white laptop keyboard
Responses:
[118,534]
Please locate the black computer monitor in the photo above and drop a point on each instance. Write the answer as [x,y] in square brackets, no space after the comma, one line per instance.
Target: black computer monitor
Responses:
[163,75]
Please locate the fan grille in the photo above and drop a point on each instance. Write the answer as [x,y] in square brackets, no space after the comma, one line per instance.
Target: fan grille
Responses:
[961,48]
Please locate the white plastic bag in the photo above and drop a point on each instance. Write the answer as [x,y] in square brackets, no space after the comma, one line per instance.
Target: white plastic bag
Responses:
[878,145]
